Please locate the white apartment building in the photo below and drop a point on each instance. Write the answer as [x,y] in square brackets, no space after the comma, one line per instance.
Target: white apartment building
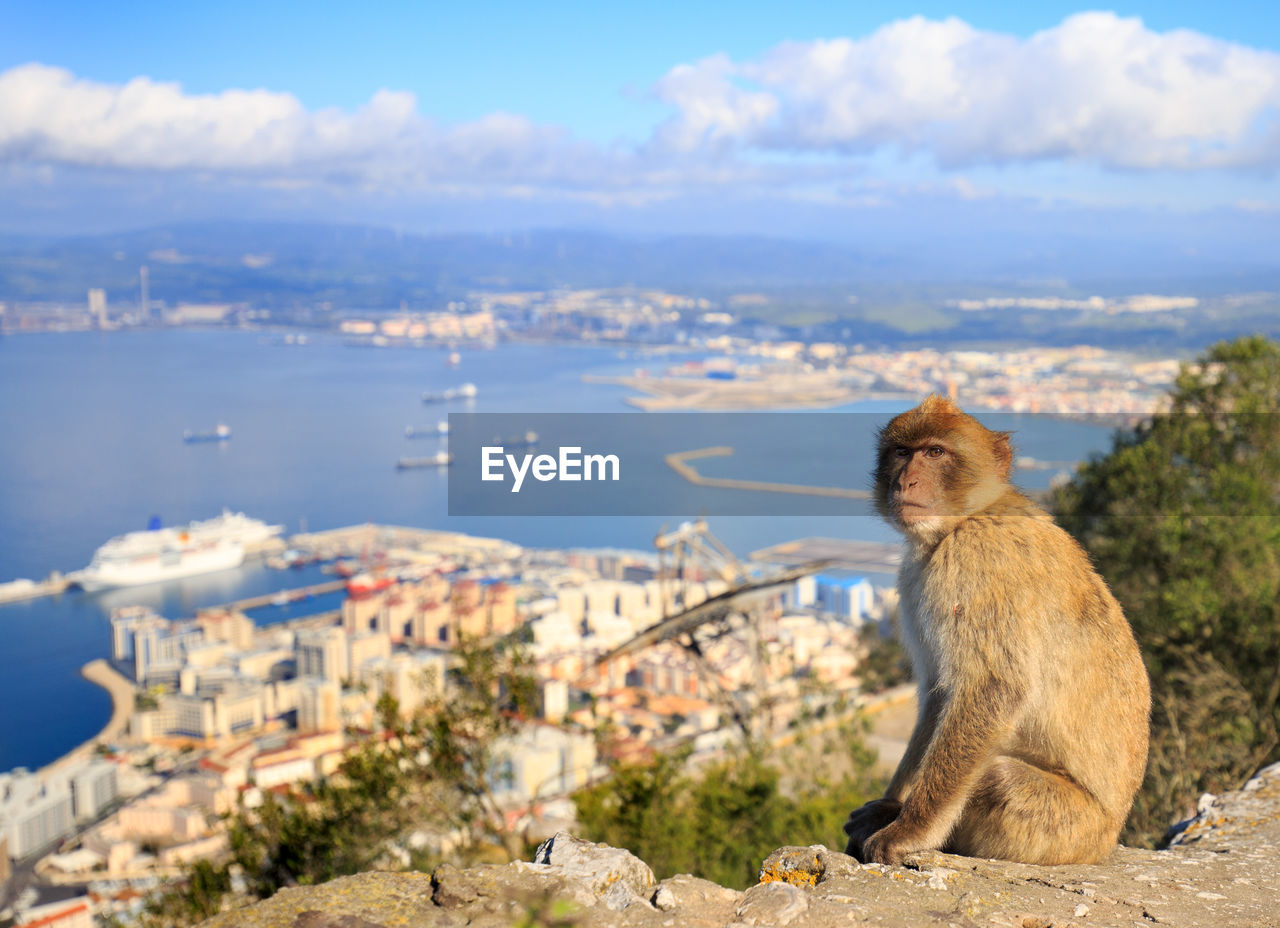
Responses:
[92,788]
[33,814]
[542,761]
[322,652]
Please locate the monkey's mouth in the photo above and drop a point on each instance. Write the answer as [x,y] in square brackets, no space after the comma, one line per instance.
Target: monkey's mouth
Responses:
[913,511]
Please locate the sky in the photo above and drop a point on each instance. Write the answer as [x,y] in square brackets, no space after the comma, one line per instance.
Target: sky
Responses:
[820,119]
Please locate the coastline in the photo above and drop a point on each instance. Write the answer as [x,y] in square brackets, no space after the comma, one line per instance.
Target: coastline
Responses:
[121,691]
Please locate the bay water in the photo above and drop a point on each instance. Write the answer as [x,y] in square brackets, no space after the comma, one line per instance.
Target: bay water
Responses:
[91,428]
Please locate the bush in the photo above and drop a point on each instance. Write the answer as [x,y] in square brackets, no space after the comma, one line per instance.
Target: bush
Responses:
[1182,518]
[720,821]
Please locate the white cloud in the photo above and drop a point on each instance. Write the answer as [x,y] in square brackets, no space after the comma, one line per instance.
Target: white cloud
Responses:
[1096,88]
[797,121]
[48,116]
[712,107]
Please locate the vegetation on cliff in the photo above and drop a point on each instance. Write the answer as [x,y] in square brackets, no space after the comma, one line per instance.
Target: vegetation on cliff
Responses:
[1182,517]
[719,821]
[430,770]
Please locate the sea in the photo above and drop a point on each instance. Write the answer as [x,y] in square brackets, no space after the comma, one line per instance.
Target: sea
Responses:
[91,446]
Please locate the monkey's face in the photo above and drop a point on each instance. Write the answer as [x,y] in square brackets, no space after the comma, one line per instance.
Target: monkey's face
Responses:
[918,484]
[935,465]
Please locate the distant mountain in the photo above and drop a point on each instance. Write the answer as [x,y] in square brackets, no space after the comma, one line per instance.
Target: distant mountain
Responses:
[285,264]
[811,290]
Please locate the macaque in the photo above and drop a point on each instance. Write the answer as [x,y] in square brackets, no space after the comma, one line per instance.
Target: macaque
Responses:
[1031,737]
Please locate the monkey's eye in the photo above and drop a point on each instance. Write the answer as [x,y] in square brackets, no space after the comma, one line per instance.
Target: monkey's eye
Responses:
[936,451]
[902,452]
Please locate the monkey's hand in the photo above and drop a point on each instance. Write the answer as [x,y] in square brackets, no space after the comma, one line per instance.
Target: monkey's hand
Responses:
[890,844]
[866,821]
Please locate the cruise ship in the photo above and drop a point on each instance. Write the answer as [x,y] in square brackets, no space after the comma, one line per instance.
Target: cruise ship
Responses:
[159,554]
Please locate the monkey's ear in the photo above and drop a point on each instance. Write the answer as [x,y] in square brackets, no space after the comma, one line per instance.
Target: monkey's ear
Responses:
[1003,452]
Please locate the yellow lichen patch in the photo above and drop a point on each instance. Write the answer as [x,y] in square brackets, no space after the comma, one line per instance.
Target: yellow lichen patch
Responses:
[781,874]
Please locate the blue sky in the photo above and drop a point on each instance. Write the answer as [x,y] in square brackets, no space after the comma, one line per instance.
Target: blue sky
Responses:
[800,117]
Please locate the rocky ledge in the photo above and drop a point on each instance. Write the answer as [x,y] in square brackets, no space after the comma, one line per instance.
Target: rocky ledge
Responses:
[1223,868]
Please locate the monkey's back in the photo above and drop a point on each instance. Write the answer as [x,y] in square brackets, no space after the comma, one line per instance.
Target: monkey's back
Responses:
[1013,593]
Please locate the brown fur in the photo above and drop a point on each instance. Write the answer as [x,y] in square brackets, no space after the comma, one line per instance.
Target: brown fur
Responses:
[1031,739]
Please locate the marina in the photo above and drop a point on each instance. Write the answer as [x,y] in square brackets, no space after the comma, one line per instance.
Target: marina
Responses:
[680,464]
[279,598]
[841,553]
[334,467]
[159,554]
[20,590]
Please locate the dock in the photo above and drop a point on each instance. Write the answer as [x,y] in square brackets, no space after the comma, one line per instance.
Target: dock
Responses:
[278,597]
[844,554]
[319,620]
[17,591]
[403,542]
[122,692]
[679,462]
[782,390]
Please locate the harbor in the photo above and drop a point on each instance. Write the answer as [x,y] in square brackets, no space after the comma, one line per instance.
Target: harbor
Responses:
[679,462]
[20,590]
[233,555]
[283,597]
[121,690]
[842,553]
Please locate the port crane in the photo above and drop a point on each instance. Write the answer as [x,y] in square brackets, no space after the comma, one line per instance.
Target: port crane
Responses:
[692,551]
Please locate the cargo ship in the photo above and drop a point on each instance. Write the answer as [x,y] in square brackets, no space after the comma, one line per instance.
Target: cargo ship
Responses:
[426,431]
[467,391]
[364,584]
[160,554]
[439,459]
[221,432]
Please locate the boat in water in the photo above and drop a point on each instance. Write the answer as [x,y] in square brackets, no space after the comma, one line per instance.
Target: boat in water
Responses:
[364,584]
[467,391]
[528,440]
[426,431]
[221,432]
[439,459]
[160,553]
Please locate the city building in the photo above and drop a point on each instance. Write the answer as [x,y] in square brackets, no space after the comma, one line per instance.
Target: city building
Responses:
[367,646]
[319,705]
[322,652]
[98,306]
[33,814]
[235,628]
[407,678]
[76,912]
[203,716]
[152,647]
[541,761]
[92,788]
[849,598]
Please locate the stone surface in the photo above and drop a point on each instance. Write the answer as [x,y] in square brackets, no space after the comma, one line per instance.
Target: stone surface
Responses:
[1223,869]
[618,876]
